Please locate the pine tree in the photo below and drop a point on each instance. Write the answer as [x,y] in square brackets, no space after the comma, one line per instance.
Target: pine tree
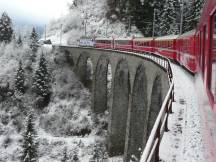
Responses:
[133,12]
[142,15]
[41,83]
[65,157]
[30,146]
[20,80]
[6,30]
[169,23]
[19,41]
[159,6]
[192,11]
[114,6]
[34,41]
[75,156]
[187,16]
[97,153]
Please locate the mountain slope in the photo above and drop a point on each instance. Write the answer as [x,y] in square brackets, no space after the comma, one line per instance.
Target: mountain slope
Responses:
[67,122]
[91,13]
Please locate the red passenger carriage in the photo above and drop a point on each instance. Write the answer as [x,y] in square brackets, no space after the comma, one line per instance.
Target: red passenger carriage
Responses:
[206,50]
[186,50]
[143,44]
[104,42]
[125,44]
[166,46]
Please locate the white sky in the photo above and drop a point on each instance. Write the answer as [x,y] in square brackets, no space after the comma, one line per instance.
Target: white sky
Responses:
[36,11]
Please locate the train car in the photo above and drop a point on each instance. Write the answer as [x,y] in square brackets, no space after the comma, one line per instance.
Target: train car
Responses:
[104,43]
[185,48]
[205,51]
[166,46]
[125,44]
[143,44]
[86,42]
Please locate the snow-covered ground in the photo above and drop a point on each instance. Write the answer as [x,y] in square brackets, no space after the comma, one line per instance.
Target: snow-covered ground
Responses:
[183,142]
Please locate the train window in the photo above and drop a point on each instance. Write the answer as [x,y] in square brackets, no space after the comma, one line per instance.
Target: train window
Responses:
[214,33]
[203,49]
[200,47]
[213,57]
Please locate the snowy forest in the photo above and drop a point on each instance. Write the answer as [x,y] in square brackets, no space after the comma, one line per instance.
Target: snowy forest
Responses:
[45,110]
[167,14]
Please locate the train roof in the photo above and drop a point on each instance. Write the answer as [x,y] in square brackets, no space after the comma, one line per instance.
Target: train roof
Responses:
[123,39]
[103,38]
[167,37]
[189,33]
[143,39]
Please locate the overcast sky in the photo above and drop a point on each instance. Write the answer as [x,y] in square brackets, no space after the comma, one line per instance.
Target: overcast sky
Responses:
[34,11]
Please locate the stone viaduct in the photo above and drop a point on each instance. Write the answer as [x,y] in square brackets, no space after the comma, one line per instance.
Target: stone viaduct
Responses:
[139,86]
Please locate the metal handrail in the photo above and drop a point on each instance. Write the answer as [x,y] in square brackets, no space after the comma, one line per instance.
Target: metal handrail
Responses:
[157,133]
[160,126]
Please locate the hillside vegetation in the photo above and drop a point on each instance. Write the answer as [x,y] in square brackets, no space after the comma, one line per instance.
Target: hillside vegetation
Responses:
[67,122]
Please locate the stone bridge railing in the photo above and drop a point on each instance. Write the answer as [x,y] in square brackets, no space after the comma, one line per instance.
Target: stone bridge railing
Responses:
[140,83]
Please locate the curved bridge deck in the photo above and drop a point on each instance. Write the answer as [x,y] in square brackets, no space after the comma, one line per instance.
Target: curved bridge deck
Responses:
[184,140]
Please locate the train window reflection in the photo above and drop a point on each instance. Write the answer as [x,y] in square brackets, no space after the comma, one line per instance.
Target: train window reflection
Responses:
[214,32]
[213,58]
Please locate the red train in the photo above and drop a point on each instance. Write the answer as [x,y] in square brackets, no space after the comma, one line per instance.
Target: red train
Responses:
[178,48]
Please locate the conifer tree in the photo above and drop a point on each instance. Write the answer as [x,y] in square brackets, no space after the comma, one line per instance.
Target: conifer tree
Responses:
[20,80]
[6,30]
[187,16]
[198,5]
[30,146]
[169,19]
[34,41]
[41,83]
[97,153]
[65,157]
[141,15]
[133,12]
[192,11]
[19,41]
[75,156]
[158,7]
